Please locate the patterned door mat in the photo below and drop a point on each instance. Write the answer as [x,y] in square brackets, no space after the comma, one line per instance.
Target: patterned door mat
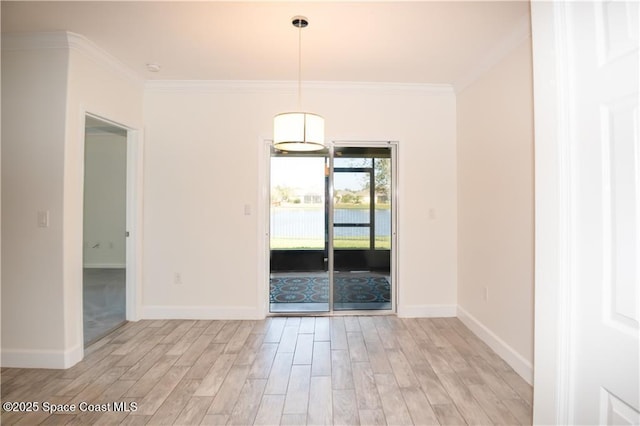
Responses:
[361,289]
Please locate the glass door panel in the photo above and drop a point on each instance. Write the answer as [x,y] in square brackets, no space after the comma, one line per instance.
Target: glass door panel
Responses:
[361,229]
[299,275]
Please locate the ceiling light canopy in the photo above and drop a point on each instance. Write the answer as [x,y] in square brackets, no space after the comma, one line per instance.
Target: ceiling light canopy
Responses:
[298,131]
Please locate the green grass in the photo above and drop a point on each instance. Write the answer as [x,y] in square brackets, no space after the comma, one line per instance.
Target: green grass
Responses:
[361,243]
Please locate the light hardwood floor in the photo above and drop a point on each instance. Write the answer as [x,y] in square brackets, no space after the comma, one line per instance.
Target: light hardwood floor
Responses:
[299,370]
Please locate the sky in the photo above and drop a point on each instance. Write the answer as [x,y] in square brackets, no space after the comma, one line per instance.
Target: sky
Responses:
[308,172]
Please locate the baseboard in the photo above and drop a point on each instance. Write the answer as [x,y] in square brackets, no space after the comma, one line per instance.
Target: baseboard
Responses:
[201,313]
[426,311]
[29,358]
[104,266]
[519,364]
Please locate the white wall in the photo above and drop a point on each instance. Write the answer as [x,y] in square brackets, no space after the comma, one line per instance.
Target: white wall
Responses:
[202,165]
[98,84]
[49,81]
[496,206]
[105,200]
[34,87]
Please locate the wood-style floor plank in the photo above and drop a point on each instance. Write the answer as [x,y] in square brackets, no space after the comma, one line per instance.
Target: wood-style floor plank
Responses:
[365,385]
[279,375]
[496,410]
[341,373]
[214,379]
[245,410]
[338,333]
[228,393]
[321,360]
[304,349]
[156,396]
[357,348]
[264,359]
[520,409]
[194,410]
[345,407]
[320,411]
[297,399]
[322,331]
[448,415]
[270,410]
[419,408]
[289,338]
[393,404]
[348,370]
[372,417]
[151,378]
[167,413]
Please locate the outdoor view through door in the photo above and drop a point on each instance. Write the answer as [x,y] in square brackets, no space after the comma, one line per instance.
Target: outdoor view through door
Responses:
[331,230]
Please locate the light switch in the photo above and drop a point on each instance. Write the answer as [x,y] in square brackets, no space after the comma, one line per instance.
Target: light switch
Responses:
[43,219]
[247,209]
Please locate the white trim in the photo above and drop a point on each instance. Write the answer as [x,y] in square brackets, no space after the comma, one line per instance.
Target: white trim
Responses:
[134,222]
[69,40]
[567,242]
[519,35]
[264,206]
[519,363]
[555,279]
[202,312]
[102,57]
[105,265]
[427,311]
[35,40]
[262,86]
[30,358]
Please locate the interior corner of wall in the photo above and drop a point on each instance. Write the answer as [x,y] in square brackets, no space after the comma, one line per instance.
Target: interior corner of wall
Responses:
[519,363]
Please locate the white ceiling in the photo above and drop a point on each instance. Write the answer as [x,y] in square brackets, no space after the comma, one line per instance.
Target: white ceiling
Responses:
[436,42]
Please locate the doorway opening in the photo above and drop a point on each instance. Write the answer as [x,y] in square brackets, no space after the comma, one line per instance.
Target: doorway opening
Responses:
[104,281]
[332,230]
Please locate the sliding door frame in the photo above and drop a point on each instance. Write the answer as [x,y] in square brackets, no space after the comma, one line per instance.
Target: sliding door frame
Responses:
[393,146]
[265,232]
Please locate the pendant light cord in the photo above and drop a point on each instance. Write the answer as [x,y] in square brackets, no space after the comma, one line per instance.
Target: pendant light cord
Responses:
[299,67]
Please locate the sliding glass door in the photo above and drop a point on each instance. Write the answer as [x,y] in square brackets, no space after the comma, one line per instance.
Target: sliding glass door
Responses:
[299,274]
[331,230]
[361,228]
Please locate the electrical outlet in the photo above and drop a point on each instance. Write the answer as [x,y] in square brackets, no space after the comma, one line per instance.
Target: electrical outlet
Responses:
[177,278]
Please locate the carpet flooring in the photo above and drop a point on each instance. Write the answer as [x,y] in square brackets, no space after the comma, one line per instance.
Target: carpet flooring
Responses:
[104,302]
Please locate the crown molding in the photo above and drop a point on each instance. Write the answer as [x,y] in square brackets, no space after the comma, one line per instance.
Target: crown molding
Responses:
[265,86]
[35,40]
[101,56]
[71,41]
[521,33]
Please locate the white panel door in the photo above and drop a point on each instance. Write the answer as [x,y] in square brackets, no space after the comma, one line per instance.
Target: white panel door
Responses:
[603,74]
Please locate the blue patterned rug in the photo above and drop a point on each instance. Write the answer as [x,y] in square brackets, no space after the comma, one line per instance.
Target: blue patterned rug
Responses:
[368,289]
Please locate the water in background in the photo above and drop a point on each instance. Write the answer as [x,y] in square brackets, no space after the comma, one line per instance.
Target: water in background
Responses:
[309,222]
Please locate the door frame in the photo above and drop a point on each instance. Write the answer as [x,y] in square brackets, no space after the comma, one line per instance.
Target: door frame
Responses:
[133,241]
[264,171]
[557,186]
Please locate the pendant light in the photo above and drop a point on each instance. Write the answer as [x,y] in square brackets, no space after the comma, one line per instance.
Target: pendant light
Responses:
[298,131]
